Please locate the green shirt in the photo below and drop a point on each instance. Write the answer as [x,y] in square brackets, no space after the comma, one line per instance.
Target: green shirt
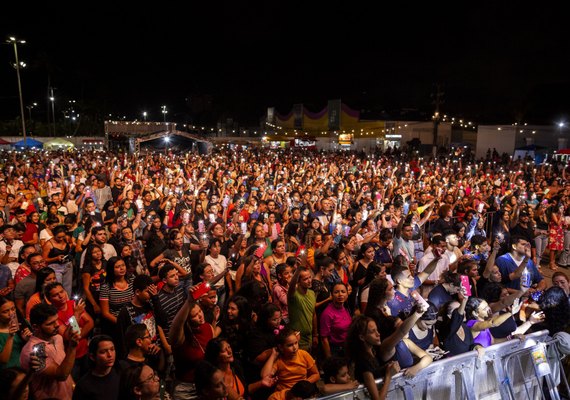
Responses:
[14,360]
[301,308]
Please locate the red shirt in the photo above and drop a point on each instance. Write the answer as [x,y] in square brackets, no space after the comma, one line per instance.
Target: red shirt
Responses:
[63,319]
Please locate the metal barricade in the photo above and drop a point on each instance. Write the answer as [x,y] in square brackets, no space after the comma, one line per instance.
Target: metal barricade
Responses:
[467,377]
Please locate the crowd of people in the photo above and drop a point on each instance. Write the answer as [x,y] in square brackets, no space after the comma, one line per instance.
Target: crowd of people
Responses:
[268,274]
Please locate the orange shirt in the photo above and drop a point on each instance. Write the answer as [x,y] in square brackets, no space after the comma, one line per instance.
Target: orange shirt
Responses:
[293,370]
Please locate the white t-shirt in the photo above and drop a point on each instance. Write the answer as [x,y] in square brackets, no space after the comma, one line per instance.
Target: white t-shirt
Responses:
[16,245]
[218,265]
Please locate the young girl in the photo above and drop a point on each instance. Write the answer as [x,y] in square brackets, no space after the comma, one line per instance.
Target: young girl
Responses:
[363,343]
[288,363]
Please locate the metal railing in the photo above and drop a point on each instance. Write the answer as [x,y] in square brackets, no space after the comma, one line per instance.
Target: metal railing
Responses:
[505,372]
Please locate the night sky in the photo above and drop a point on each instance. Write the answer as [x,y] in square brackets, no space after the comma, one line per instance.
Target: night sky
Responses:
[497,63]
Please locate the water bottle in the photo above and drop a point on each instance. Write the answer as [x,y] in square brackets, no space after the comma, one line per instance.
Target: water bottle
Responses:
[526,278]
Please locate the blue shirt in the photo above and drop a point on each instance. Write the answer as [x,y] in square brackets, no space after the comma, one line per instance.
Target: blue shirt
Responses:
[507,264]
[401,302]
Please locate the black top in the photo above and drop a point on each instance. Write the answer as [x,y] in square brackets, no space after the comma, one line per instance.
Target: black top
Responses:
[505,329]
[91,387]
[451,341]
[367,364]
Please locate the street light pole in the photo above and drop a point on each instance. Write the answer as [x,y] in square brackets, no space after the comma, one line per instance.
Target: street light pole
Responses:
[144,115]
[15,42]
[52,100]
[164,111]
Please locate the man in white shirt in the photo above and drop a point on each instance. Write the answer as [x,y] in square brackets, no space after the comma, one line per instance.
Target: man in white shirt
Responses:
[9,248]
[439,243]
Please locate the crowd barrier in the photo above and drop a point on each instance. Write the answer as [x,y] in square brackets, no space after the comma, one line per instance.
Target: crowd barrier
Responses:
[512,370]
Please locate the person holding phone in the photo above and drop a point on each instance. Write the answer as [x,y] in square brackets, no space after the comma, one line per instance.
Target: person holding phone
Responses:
[66,308]
[54,380]
[56,253]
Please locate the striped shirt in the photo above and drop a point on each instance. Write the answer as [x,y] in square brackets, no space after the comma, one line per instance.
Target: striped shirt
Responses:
[117,298]
[171,303]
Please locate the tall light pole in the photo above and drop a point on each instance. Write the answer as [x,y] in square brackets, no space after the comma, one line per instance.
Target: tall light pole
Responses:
[30,107]
[144,115]
[52,101]
[15,42]
[164,112]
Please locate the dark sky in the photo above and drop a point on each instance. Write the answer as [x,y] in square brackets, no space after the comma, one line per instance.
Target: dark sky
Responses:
[495,62]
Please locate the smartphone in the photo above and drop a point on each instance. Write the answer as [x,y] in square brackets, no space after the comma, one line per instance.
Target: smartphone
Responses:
[300,251]
[212,218]
[226,201]
[259,252]
[201,227]
[201,290]
[536,296]
[40,352]
[243,228]
[14,320]
[465,283]
[480,208]
[72,321]
[139,204]
[419,299]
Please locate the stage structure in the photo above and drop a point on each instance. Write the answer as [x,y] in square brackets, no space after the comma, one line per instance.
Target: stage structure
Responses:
[128,135]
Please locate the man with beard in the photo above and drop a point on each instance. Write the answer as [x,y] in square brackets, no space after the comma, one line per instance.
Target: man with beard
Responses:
[54,380]
[511,266]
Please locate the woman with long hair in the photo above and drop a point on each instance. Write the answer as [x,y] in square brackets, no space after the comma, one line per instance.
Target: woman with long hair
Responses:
[13,335]
[189,336]
[278,256]
[373,272]
[219,353]
[92,276]
[363,344]
[116,292]
[44,276]
[263,336]
[291,236]
[57,254]
[31,236]
[108,213]
[236,323]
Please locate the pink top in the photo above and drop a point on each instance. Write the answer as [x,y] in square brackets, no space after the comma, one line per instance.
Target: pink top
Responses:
[334,324]
[47,387]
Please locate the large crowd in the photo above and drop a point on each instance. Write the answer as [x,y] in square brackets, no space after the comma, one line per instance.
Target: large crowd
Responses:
[268,274]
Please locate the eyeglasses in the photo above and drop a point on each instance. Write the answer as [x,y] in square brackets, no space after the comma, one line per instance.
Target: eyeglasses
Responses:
[153,377]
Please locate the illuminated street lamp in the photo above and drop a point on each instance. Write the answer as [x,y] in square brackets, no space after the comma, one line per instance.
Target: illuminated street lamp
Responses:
[164,112]
[144,115]
[12,40]
[30,107]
